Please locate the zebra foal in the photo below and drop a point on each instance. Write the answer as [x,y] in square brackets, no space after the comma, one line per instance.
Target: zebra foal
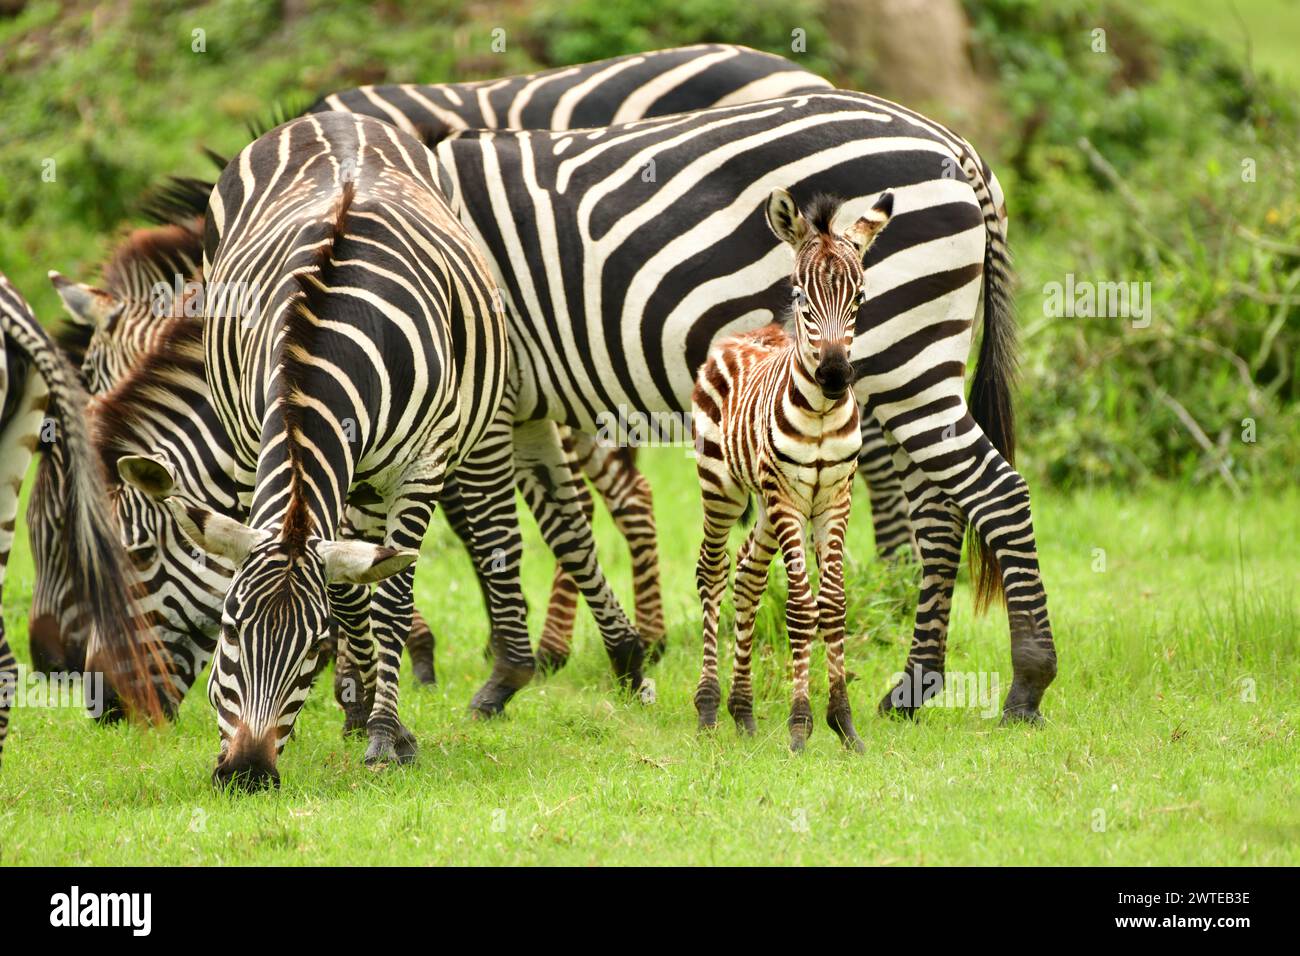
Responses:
[775,418]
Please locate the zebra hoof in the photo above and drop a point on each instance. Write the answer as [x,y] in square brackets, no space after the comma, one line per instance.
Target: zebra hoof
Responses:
[505,682]
[910,693]
[549,661]
[654,651]
[627,657]
[424,673]
[405,745]
[707,696]
[746,725]
[1030,717]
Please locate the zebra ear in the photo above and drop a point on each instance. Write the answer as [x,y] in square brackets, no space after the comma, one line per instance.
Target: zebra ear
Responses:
[214,533]
[85,304]
[152,474]
[785,219]
[863,232]
[360,562]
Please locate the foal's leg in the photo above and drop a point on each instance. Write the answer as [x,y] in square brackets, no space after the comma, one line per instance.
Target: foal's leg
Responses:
[828,535]
[722,507]
[751,581]
[800,616]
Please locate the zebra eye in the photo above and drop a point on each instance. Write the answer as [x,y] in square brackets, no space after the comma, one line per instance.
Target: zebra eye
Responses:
[861,297]
[800,299]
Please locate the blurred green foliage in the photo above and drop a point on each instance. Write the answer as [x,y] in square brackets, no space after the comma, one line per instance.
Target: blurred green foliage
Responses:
[1120,164]
[1139,150]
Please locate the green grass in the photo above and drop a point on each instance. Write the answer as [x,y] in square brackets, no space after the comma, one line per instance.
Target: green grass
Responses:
[1150,730]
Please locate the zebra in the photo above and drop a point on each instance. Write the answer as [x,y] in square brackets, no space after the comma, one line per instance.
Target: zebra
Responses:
[110,329]
[140,352]
[353,349]
[33,374]
[617,281]
[775,419]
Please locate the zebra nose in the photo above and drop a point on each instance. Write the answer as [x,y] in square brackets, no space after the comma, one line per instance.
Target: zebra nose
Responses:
[834,373]
[102,700]
[45,641]
[248,763]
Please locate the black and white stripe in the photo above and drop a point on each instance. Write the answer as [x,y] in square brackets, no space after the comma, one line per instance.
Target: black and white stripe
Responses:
[354,348]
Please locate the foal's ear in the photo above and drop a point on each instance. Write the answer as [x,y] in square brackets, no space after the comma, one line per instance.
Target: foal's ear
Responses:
[863,232]
[785,219]
[151,474]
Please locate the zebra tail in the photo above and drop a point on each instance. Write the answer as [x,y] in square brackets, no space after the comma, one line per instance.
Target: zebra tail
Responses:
[98,565]
[991,393]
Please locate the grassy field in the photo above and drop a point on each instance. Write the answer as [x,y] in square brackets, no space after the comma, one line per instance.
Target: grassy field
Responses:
[1171,735]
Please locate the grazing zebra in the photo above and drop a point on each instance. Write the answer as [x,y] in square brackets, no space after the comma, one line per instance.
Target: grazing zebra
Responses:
[354,350]
[144,355]
[624,252]
[775,419]
[32,374]
[111,329]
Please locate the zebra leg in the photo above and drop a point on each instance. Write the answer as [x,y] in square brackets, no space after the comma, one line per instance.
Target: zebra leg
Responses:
[627,495]
[889,511]
[997,505]
[453,509]
[828,535]
[485,486]
[722,509]
[556,642]
[800,617]
[355,665]
[541,470]
[960,461]
[391,607]
[420,646]
[939,526]
[751,581]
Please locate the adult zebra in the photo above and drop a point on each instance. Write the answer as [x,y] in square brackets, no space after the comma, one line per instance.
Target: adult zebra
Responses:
[618,280]
[32,373]
[354,350]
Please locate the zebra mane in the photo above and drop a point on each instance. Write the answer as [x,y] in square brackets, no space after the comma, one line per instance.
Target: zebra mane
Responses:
[821,212]
[306,303]
[175,359]
[158,254]
[177,201]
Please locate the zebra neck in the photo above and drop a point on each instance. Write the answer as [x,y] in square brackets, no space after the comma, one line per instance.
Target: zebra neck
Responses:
[804,394]
[296,493]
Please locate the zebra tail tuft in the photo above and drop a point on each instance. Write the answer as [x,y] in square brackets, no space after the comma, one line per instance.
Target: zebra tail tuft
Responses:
[991,395]
[98,563]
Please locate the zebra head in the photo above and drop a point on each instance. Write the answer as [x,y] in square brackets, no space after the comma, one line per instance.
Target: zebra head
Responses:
[152,276]
[275,624]
[827,280]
